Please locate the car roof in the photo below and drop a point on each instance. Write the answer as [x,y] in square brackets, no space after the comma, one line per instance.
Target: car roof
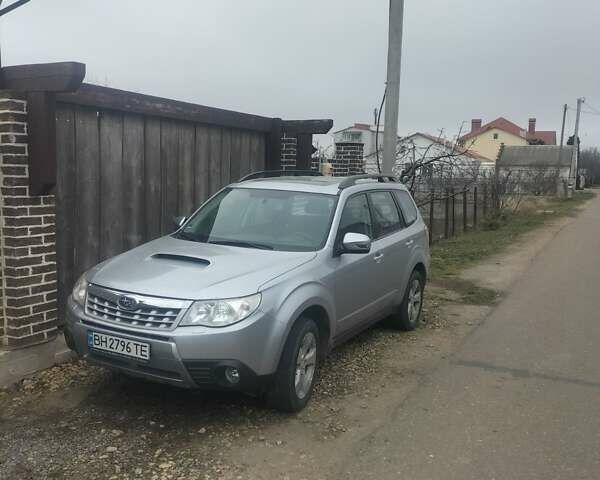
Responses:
[314,184]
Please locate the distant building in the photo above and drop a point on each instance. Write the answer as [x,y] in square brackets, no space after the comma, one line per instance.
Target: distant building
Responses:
[486,139]
[540,169]
[455,164]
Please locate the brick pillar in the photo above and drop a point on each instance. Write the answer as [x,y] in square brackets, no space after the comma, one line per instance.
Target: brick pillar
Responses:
[288,152]
[348,159]
[27,237]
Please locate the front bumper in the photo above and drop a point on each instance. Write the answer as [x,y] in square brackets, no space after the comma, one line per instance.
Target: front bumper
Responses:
[186,357]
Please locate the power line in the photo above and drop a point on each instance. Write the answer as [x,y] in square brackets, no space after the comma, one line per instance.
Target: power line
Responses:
[10,8]
[594,109]
[377,129]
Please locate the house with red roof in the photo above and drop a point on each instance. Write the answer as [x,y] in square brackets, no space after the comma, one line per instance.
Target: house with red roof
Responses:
[487,139]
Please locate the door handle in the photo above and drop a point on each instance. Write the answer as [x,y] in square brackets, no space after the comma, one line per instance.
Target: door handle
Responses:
[378,257]
[409,243]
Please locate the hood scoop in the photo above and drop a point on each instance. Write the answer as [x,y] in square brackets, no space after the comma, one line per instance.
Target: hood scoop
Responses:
[181,258]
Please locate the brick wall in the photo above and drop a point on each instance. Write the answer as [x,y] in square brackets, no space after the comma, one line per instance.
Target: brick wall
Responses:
[27,238]
[288,152]
[348,159]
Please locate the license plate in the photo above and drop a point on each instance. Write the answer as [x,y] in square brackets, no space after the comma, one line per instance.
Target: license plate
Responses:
[121,346]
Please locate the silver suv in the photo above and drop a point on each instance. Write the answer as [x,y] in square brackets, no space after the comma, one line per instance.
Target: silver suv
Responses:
[257,285]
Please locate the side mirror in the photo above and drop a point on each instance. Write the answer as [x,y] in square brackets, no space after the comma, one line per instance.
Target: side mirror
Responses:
[356,243]
[178,221]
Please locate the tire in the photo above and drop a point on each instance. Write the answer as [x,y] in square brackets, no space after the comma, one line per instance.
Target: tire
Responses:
[408,314]
[303,341]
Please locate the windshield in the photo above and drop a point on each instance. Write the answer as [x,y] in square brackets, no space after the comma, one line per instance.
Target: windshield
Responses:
[265,219]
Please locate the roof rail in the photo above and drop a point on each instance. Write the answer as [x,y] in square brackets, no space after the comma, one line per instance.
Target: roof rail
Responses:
[350,181]
[280,173]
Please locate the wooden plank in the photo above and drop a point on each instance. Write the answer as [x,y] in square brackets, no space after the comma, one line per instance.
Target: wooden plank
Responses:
[236,152]
[294,127]
[262,153]
[475,207]
[152,177]
[255,160]
[245,154]
[303,151]
[66,204]
[44,77]
[225,158]
[201,161]
[41,127]
[169,155]
[214,169]
[134,209]
[274,146]
[87,154]
[464,208]
[111,98]
[111,184]
[187,134]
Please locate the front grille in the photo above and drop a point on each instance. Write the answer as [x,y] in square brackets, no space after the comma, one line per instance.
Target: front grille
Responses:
[153,313]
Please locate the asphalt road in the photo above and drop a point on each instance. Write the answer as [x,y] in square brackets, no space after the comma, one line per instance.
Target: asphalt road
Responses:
[520,399]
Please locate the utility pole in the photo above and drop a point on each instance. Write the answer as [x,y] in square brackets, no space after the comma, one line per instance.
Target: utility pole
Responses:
[562,131]
[392,99]
[575,157]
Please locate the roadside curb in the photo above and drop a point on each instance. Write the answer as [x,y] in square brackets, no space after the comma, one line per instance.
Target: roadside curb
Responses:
[18,364]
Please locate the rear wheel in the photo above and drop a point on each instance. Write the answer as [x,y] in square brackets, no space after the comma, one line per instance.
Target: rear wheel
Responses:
[295,377]
[409,312]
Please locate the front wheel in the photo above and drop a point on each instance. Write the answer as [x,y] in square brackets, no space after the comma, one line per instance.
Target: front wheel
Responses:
[295,377]
[407,317]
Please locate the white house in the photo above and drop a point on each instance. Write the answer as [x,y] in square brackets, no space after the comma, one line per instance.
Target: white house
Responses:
[422,148]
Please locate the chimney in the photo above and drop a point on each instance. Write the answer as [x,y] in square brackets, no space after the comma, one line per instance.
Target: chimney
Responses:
[532,125]
[476,124]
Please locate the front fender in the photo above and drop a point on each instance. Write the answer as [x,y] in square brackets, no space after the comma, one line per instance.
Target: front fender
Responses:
[290,307]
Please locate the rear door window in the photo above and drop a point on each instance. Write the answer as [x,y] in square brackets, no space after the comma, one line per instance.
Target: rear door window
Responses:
[407,205]
[386,218]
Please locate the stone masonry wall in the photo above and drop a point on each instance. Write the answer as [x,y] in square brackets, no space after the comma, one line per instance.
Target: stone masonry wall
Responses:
[27,238]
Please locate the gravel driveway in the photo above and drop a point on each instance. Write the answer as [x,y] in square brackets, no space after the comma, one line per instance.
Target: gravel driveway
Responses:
[76,421]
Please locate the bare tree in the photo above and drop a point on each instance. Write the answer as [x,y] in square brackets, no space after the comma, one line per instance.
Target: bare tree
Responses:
[442,164]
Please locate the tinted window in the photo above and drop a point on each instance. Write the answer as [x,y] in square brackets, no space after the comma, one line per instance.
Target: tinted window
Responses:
[386,218]
[407,205]
[356,217]
[269,219]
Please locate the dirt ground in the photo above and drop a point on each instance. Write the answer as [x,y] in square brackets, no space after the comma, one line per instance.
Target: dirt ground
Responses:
[76,421]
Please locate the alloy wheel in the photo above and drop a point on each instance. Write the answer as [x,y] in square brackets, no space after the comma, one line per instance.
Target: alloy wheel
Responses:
[306,363]
[415,297]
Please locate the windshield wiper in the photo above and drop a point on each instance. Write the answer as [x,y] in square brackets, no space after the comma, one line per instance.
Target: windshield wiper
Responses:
[183,235]
[243,244]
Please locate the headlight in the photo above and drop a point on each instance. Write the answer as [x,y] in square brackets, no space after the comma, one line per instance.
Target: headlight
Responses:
[80,290]
[220,313]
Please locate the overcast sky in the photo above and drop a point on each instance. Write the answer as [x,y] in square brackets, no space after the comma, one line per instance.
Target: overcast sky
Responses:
[326,58]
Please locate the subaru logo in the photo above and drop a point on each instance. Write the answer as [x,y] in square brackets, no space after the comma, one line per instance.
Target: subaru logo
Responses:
[128,303]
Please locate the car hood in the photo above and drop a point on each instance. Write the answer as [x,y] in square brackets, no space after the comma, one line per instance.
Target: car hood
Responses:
[174,268]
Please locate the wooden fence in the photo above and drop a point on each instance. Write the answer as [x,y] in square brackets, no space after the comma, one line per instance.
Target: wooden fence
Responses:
[451,212]
[128,163]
